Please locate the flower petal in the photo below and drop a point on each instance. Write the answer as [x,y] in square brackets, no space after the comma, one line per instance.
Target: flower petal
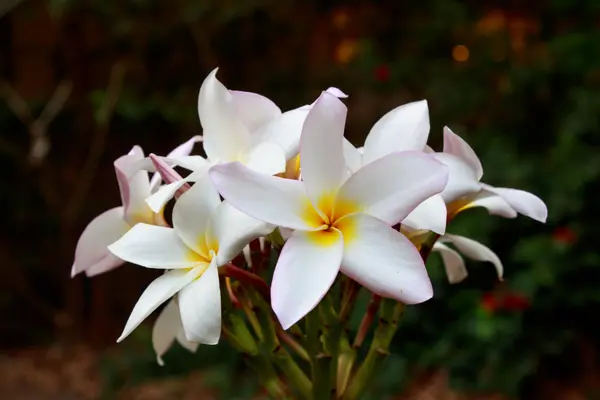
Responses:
[184,149]
[275,200]
[153,247]
[233,230]
[384,261]
[159,291]
[453,263]
[267,157]
[475,251]
[405,128]
[393,186]
[454,144]
[91,251]
[352,156]
[430,215]
[225,136]
[321,147]
[134,186]
[192,212]
[494,203]
[165,330]
[523,202]
[304,273]
[200,306]
[190,346]
[462,179]
[253,109]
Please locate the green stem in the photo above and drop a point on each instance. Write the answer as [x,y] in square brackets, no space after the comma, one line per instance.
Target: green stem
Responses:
[345,362]
[293,373]
[390,312]
[318,361]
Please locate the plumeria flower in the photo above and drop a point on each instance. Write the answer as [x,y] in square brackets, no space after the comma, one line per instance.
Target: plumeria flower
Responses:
[168,329]
[240,126]
[206,234]
[504,202]
[91,253]
[340,222]
[453,261]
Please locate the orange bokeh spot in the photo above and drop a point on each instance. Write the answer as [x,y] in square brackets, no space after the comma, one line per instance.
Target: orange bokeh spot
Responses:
[460,53]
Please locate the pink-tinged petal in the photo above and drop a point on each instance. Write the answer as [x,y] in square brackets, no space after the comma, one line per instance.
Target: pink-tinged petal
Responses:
[391,187]
[306,269]
[405,128]
[225,136]
[183,150]
[462,179]
[453,263]
[165,330]
[153,247]
[429,215]
[494,203]
[134,184]
[192,212]
[352,156]
[254,110]
[336,92]
[270,199]
[383,260]
[91,252]
[267,158]
[454,144]
[160,290]
[321,147]
[107,264]
[233,230]
[475,251]
[523,202]
[200,306]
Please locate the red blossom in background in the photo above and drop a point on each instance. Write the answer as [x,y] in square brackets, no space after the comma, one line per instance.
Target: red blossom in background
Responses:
[493,302]
[383,73]
[564,235]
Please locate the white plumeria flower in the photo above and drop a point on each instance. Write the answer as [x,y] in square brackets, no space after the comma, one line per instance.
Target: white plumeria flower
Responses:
[206,234]
[168,329]
[453,261]
[240,126]
[91,253]
[339,222]
[504,202]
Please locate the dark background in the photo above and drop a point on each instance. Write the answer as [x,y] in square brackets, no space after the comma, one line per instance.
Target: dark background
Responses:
[84,81]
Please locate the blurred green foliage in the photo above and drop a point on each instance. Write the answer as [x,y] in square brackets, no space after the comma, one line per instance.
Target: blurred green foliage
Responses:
[527,99]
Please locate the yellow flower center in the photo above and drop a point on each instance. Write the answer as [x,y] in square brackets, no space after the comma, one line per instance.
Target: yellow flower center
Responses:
[328,217]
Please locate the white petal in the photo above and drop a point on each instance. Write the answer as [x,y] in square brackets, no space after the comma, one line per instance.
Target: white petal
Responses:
[163,195]
[225,136]
[153,247]
[384,261]
[165,330]
[304,273]
[192,212]
[353,156]
[523,202]
[476,251]
[285,131]
[107,264]
[91,251]
[336,92]
[430,215]
[234,230]
[200,306]
[405,128]
[453,263]
[494,203]
[190,346]
[271,199]
[267,157]
[184,149]
[321,147]
[393,186]
[454,144]
[134,186]
[462,179]
[254,110]
[159,291]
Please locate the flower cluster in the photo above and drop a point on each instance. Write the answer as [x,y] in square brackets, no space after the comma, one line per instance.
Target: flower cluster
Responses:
[293,181]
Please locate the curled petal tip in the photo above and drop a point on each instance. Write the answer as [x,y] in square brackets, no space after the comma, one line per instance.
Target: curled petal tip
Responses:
[168,174]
